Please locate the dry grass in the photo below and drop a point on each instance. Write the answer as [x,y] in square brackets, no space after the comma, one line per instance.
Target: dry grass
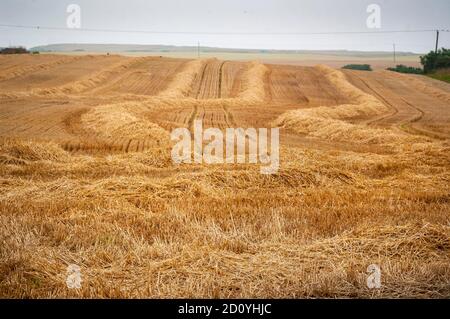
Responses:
[124,119]
[182,83]
[130,118]
[140,226]
[253,83]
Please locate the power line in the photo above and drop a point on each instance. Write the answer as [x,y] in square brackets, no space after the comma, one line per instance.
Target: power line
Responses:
[36,27]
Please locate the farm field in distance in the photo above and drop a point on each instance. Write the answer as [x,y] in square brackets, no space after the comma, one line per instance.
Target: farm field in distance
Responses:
[335,59]
[87,178]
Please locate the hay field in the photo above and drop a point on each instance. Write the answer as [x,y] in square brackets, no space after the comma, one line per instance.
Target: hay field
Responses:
[86,178]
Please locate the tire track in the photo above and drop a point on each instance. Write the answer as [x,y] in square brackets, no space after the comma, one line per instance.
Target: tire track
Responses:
[220,79]
[385,101]
[229,120]
[202,77]
[408,124]
[192,117]
[411,128]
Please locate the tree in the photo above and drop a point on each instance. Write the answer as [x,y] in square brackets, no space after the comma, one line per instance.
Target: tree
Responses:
[436,60]
[360,67]
[406,69]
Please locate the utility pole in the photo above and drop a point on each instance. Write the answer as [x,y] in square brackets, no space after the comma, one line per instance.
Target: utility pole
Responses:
[437,41]
[394,54]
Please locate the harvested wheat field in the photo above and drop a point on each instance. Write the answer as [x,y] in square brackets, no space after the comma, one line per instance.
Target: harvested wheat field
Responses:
[87,178]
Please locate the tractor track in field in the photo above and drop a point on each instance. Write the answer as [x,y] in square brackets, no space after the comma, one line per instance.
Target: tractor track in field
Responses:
[219,94]
[406,116]
[229,119]
[411,128]
[385,101]
[87,141]
[202,77]
[401,108]
[192,117]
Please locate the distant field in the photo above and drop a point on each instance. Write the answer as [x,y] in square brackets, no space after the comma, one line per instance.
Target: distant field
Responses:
[382,61]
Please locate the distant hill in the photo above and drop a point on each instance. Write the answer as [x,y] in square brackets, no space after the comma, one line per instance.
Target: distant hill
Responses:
[73,47]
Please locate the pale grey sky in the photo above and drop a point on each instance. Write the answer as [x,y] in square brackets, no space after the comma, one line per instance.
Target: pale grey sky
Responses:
[234,16]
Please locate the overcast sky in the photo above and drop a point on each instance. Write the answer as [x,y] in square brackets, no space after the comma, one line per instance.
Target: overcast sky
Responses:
[234,16]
